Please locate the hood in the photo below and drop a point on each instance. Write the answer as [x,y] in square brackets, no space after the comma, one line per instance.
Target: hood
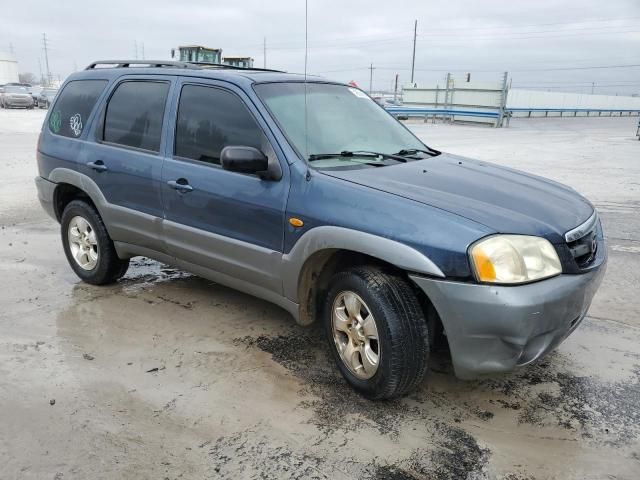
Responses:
[503,199]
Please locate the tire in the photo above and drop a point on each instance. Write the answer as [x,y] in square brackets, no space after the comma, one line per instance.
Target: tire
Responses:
[98,262]
[402,345]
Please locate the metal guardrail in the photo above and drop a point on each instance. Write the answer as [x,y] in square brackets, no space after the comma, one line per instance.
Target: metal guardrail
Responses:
[451,113]
[612,112]
[445,112]
[575,111]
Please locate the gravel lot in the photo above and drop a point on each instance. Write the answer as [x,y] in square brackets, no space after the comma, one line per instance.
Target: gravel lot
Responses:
[168,376]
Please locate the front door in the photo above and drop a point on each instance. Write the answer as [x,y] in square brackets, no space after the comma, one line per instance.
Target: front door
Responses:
[228,222]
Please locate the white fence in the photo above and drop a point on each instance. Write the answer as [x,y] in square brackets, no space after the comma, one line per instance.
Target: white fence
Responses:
[457,99]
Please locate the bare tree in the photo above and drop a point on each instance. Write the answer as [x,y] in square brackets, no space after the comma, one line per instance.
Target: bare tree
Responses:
[27,77]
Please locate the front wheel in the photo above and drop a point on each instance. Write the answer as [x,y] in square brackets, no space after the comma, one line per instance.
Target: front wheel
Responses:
[377,331]
[88,247]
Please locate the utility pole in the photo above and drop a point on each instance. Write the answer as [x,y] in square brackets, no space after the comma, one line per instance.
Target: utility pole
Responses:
[413,58]
[11,49]
[40,68]
[395,89]
[135,48]
[371,78]
[46,57]
[143,50]
[264,58]
[593,86]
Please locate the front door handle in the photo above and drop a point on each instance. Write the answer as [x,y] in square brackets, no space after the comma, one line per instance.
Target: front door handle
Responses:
[182,185]
[98,166]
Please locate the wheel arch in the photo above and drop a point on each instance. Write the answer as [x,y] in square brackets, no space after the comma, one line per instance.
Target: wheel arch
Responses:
[322,251]
[73,185]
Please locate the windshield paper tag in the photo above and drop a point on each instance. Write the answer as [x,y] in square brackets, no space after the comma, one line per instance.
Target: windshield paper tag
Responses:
[358,93]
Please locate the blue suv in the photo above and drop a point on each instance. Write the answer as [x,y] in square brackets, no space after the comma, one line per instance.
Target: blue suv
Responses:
[306,193]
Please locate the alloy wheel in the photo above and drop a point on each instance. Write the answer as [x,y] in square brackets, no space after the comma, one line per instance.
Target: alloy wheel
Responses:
[83,243]
[355,334]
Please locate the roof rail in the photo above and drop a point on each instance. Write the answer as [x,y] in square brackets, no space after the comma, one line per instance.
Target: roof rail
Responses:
[232,67]
[171,64]
[149,63]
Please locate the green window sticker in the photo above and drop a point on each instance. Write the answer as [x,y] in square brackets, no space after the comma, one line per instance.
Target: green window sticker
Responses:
[55,121]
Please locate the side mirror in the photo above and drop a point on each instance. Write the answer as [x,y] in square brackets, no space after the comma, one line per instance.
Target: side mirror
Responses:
[248,160]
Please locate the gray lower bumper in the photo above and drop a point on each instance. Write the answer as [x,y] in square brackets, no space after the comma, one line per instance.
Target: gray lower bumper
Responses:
[15,102]
[497,328]
[45,195]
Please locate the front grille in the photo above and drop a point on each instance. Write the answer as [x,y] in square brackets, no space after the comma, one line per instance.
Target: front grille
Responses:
[583,242]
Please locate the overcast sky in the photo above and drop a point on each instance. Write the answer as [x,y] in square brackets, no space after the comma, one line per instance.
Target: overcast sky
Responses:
[482,37]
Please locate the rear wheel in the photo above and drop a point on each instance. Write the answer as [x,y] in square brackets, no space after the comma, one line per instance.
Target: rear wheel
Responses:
[88,247]
[377,331]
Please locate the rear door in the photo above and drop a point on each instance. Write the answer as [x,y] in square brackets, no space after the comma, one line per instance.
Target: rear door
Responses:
[126,160]
[229,222]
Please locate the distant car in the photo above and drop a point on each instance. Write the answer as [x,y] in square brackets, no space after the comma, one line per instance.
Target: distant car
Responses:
[35,93]
[16,96]
[46,97]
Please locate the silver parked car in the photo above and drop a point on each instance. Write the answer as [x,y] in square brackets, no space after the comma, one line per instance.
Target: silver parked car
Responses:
[16,96]
[45,99]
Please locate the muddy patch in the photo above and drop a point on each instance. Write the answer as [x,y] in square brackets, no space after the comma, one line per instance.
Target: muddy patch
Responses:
[457,456]
[453,453]
[606,412]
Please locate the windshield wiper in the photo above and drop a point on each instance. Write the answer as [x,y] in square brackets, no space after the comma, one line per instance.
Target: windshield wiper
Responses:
[358,154]
[412,151]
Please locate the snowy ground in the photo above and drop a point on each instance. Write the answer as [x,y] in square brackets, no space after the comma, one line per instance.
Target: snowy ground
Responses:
[242,392]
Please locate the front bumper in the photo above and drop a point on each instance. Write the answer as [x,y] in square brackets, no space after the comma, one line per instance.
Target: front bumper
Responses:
[494,329]
[46,191]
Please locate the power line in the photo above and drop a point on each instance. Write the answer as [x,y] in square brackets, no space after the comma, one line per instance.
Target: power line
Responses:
[635,65]
[339,40]
[583,85]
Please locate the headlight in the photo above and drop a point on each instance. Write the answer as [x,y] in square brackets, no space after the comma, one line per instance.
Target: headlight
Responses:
[514,259]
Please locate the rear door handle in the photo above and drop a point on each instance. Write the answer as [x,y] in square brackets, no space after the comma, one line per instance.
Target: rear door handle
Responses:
[182,185]
[98,166]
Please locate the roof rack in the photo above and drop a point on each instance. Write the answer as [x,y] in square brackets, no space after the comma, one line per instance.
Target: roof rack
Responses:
[171,64]
[129,63]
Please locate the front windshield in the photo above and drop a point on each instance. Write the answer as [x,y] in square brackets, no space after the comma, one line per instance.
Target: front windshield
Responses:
[15,89]
[339,118]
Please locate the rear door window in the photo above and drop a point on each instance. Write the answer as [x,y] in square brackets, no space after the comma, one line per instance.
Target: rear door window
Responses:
[71,111]
[135,113]
[210,119]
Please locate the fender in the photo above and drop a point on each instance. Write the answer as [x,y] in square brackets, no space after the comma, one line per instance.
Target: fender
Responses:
[331,237]
[81,181]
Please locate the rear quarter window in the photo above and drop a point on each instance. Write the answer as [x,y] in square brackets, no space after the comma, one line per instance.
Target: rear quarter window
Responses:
[71,111]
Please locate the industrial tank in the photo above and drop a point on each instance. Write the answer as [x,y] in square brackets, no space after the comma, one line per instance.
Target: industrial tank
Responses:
[8,68]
